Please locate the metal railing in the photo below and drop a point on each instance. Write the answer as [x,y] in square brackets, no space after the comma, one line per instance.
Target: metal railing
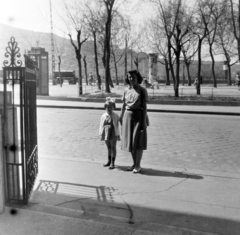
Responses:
[206,91]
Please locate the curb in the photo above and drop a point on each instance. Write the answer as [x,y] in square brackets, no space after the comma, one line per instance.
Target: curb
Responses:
[151,101]
[149,110]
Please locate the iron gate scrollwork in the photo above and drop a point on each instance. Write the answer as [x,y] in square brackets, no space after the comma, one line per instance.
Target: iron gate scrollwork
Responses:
[20,124]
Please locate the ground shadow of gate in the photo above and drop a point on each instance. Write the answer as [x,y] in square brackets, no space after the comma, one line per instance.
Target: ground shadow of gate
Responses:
[97,203]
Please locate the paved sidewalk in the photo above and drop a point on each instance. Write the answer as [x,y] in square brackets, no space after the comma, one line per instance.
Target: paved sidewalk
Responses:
[76,197]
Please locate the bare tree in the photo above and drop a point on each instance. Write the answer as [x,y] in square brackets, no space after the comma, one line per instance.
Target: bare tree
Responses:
[93,19]
[189,51]
[226,41]
[109,11]
[177,22]
[140,46]
[117,55]
[85,67]
[119,27]
[128,36]
[236,23]
[158,42]
[75,20]
[77,49]
[112,9]
[200,29]
[216,9]
[59,51]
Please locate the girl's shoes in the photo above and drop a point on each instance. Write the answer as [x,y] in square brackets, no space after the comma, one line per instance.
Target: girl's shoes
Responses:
[136,171]
[111,167]
[130,168]
[108,163]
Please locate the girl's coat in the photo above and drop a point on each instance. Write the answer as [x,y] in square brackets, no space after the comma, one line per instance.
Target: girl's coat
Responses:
[115,119]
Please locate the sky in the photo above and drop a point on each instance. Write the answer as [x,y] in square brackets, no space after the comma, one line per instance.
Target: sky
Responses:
[35,15]
[27,14]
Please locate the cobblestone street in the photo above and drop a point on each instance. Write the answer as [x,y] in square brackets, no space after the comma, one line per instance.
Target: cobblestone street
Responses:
[202,142]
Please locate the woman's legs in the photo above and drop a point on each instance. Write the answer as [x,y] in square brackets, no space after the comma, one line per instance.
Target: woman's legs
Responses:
[139,154]
[134,161]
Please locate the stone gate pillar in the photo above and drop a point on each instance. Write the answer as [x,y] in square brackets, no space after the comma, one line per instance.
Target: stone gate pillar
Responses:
[39,55]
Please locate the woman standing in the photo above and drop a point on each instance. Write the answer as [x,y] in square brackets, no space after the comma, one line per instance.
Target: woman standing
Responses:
[134,119]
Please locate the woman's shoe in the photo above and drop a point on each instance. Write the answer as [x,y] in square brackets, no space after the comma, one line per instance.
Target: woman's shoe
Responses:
[136,171]
[130,168]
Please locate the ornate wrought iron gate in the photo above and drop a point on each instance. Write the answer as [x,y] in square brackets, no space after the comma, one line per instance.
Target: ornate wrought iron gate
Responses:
[20,124]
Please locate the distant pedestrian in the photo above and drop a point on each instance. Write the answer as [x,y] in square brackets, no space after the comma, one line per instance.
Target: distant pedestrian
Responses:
[197,85]
[90,79]
[109,131]
[196,82]
[134,119]
[237,80]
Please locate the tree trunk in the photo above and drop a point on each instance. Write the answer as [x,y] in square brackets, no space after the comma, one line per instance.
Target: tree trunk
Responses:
[238,43]
[78,57]
[199,65]
[183,74]
[110,79]
[167,73]
[176,92]
[59,71]
[116,71]
[170,62]
[131,59]
[238,38]
[213,68]
[176,85]
[85,68]
[229,74]
[96,60]
[125,60]
[80,90]
[188,74]
[107,55]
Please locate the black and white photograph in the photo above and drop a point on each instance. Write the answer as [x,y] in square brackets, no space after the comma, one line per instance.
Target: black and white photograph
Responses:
[120,117]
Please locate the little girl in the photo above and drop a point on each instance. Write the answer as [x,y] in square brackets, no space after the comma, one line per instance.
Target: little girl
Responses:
[109,131]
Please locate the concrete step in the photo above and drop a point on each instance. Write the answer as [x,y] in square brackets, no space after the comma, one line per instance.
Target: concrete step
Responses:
[97,223]
[137,220]
[106,209]
[25,221]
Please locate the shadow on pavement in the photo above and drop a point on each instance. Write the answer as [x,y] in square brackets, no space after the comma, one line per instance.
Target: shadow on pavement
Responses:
[100,193]
[152,172]
[99,204]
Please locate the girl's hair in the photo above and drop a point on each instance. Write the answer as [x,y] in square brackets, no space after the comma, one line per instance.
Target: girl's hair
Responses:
[109,101]
[139,77]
